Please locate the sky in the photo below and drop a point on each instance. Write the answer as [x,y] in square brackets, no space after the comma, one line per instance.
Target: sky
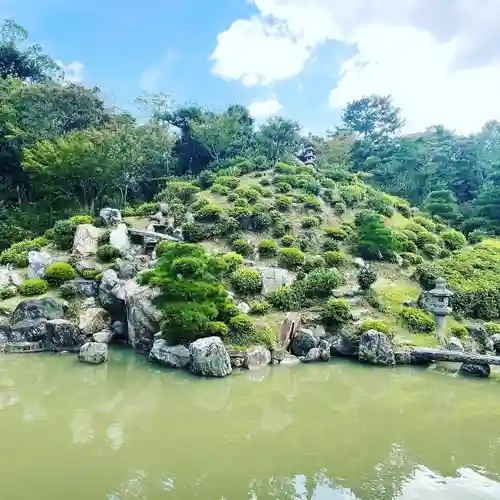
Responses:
[304,59]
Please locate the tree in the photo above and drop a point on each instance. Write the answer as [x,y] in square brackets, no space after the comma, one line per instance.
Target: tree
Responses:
[373,240]
[279,136]
[487,204]
[442,203]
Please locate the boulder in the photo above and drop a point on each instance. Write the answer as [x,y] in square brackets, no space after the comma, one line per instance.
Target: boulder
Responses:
[9,277]
[28,330]
[84,265]
[110,217]
[143,318]
[274,278]
[290,360]
[62,335]
[475,370]
[454,344]
[85,288]
[104,336]
[93,320]
[86,240]
[376,348]
[119,329]
[37,262]
[257,357]
[359,262]
[209,357]
[290,325]
[402,356]
[244,308]
[495,339]
[4,325]
[237,357]
[302,342]
[119,238]
[319,332]
[173,356]
[177,233]
[164,208]
[190,218]
[3,342]
[93,353]
[127,269]
[109,293]
[48,308]
[311,356]
[343,345]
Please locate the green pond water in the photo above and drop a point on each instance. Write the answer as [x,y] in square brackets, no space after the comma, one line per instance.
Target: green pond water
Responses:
[130,430]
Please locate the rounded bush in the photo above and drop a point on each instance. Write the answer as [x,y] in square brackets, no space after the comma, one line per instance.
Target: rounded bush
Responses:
[425,222]
[81,219]
[319,283]
[417,321]
[312,262]
[209,213]
[378,325]
[366,277]
[90,274]
[229,181]
[265,181]
[67,291]
[259,307]
[310,221]
[108,253]
[247,281]
[287,240]
[242,247]
[64,233]
[242,329]
[336,312]
[216,329]
[283,203]
[233,260]
[219,189]
[193,232]
[35,286]
[459,331]
[334,258]
[454,240]
[59,272]
[285,298]
[312,187]
[330,245]
[336,233]
[7,292]
[251,194]
[227,310]
[312,203]
[232,197]
[291,258]
[268,248]
[283,187]
[145,209]
[492,328]
[339,208]
[432,251]
[104,238]
[413,259]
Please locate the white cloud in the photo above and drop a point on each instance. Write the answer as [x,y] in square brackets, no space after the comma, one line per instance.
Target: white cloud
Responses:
[265,108]
[440,59]
[151,78]
[72,72]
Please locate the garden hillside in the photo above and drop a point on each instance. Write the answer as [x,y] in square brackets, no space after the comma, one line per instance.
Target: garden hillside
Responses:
[226,226]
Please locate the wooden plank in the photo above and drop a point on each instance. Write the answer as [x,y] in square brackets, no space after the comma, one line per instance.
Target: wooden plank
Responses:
[420,354]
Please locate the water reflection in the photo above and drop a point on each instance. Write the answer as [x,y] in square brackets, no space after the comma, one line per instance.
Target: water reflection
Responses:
[315,432]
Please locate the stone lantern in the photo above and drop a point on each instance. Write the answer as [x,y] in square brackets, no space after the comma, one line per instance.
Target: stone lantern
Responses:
[439,305]
[308,155]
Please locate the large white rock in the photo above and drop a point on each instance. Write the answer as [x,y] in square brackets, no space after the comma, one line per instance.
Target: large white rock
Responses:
[173,356]
[37,262]
[86,240]
[210,358]
[104,336]
[119,237]
[274,278]
[93,320]
[93,353]
[110,216]
[257,357]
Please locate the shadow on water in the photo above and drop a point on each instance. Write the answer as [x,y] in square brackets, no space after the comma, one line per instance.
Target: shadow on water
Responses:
[132,430]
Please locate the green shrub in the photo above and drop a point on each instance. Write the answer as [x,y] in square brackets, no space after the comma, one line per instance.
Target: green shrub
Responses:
[426,223]
[250,194]
[477,236]
[265,181]
[145,209]
[312,203]
[312,187]
[206,179]
[80,219]
[108,253]
[287,240]
[291,258]
[261,218]
[330,245]
[428,238]
[352,195]
[336,312]
[209,213]
[379,326]
[417,321]
[339,208]
[454,240]
[283,187]
[382,205]
[334,258]
[228,181]
[259,307]
[232,197]
[227,310]
[179,190]
[17,253]
[283,203]
[336,233]
[90,274]
[367,276]
[285,168]
[492,328]
[310,221]
[372,239]
[216,329]
[313,262]
[233,260]
[459,331]
[64,233]
[59,272]
[242,247]
[241,330]
[219,189]
[246,281]
[104,238]
[432,251]
[413,259]
[35,286]
[67,291]
[268,248]
[402,207]
[193,232]
[285,298]
[7,292]
[319,283]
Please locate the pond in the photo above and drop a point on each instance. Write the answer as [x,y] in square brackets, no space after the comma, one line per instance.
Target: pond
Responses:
[339,430]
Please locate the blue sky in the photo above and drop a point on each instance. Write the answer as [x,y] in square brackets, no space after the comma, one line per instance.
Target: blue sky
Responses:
[439,59]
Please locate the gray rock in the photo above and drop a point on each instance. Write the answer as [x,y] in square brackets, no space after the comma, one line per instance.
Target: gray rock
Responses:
[244,308]
[176,356]
[157,217]
[209,357]
[127,269]
[15,278]
[495,338]
[343,345]
[170,223]
[143,318]
[402,356]
[86,240]
[93,320]
[110,217]
[28,330]
[164,208]
[4,326]
[37,263]
[230,295]
[257,357]
[109,293]
[104,336]
[290,325]
[375,348]
[476,370]
[84,265]
[177,233]
[398,259]
[302,342]
[48,308]
[359,262]
[237,357]
[454,344]
[190,218]
[325,344]
[479,334]
[274,278]
[119,329]
[3,342]
[290,360]
[93,353]
[62,335]
[319,332]
[85,288]
[119,238]
[4,277]
[311,356]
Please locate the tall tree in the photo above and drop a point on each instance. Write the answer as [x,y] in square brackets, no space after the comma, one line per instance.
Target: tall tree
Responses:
[279,136]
